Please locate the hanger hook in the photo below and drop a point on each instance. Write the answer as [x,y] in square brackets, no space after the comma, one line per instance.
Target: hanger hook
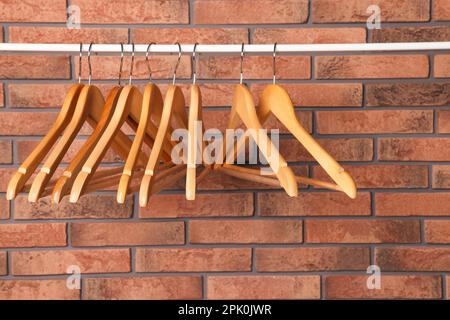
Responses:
[132,63]
[89,63]
[147,60]
[242,64]
[178,63]
[121,63]
[194,64]
[79,62]
[275,63]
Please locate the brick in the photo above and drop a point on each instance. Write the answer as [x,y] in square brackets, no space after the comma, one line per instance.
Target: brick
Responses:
[33,11]
[372,67]
[443,116]
[65,35]
[312,95]
[288,67]
[442,66]
[313,204]
[3,263]
[126,233]
[308,35]
[383,176]
[441,177]
[134,11]
[37,95]
[311,259]
[5,175]
[193,260]
[408,94]
[2,97]
[42,122]
[34,67]
[437,231]
[245,231]
[217,180]
[332,11]
[411,34]
[441,10]
[249,12]
[413,149]
[55,289]
[375,121]
[4,209]
[341,149]
[143,288]
[107,67]
[263,287]
[205,205]
[412,204]
[58,261]
[190,35]
[25,147]
[33,235]
[90,206]
[362,231]
[392,287]
[5,152]
[412,259]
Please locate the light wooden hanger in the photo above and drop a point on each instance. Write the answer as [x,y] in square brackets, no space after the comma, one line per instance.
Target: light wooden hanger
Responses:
[129,96]
[152,102]
[174,108]
[244,109]
[90,97]
[276,100]
[27,168]
[98,118]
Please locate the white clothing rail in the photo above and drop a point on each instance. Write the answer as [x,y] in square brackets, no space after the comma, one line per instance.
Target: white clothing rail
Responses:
[222,49]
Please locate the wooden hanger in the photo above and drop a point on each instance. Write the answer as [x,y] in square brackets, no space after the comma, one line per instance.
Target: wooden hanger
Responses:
[27,168]
[89,97]
[128,96]
[195,117]
[274,99]
[98,121]
[243,109]
[174,107]
[152,105]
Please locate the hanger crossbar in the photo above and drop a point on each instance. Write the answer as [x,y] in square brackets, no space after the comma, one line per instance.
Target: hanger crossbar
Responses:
[64,48]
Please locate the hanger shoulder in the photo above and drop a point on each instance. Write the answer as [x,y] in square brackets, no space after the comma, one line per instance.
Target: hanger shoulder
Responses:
[129,96]
[86,99]
[170,101]
[104,111]
[28,167]
[152,100]
[276,100]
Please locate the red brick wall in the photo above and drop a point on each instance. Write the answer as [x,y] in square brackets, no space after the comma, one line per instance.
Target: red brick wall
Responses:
[385,117]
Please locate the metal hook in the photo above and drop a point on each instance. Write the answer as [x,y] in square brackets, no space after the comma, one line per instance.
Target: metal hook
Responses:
[89,63]
[79,63]
[275,63]
[147,61]
[242,64]
[194,64]
[132,63]
[121,62]
[178,63]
